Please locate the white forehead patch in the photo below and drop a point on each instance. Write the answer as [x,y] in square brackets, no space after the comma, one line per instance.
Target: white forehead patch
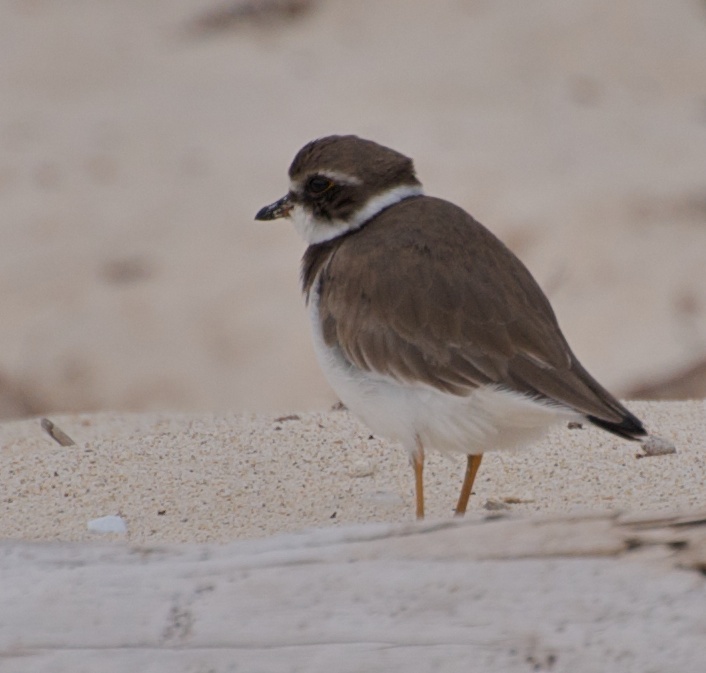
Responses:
[314,231]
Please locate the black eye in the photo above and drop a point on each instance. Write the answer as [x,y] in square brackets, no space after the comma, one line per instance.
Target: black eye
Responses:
[318,184]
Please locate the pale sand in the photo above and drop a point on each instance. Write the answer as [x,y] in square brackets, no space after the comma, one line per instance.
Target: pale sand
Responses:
[198,478]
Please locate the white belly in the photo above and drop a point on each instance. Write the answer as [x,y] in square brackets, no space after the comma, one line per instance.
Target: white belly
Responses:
[488,419]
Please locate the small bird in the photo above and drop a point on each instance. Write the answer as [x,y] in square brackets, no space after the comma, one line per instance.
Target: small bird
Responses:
[424,323]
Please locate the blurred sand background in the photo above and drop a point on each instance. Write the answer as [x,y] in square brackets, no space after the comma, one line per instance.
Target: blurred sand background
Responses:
[137,140]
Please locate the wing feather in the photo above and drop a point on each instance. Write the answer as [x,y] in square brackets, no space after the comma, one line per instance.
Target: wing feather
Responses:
[457,310]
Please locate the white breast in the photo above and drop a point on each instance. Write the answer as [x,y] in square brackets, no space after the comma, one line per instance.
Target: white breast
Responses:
[488,419]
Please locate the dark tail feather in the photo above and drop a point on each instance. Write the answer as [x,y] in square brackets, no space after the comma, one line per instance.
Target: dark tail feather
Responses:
[629,427]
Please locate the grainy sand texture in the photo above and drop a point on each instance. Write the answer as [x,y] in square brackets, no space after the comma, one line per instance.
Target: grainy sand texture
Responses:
[198,478]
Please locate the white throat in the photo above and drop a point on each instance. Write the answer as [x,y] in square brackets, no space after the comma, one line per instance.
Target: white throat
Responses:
[315,231]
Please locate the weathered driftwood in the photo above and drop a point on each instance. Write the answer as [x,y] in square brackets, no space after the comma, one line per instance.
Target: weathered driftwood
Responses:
[594,593]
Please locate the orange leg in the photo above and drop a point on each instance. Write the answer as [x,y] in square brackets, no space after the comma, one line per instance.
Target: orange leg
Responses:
[471,471]
[418,465]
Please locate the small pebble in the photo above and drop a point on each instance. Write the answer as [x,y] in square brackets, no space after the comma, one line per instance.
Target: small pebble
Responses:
[495,505]
[656,446]
[361,468]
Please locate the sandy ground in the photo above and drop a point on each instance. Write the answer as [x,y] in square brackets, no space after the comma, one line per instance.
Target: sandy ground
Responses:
[138,140]
[208,478]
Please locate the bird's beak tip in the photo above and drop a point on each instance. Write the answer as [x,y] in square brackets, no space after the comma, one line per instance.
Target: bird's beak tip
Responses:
[275,210]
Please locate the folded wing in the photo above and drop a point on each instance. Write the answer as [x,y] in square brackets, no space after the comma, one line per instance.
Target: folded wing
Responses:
[456,311]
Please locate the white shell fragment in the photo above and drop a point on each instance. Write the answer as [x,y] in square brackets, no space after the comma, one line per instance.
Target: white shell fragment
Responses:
[108,524]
